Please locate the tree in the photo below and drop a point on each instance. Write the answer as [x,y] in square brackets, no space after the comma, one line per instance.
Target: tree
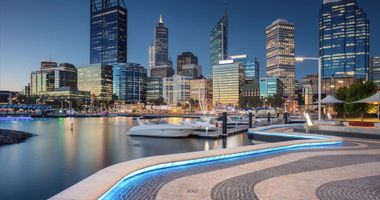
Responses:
[250,102]
[158,101]
[358,90]
[276,100]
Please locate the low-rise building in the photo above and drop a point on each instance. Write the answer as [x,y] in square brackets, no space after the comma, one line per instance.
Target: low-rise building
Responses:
[270,86]
[154,88]
[176,89]
[201,90]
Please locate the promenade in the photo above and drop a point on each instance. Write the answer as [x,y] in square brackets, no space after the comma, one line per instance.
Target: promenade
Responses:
[348,170]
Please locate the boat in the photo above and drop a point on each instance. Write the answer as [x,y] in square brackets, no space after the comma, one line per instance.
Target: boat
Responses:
[160,130]
[204,123]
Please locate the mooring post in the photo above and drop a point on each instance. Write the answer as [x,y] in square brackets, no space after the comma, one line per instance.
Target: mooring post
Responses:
[224,125]
[250,119]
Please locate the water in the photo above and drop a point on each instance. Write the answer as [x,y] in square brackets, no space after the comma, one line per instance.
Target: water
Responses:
[59,156]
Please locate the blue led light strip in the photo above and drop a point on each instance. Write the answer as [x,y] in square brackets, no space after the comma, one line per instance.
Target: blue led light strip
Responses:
[227,156]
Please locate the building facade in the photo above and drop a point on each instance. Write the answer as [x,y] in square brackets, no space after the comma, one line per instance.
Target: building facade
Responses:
[162,71]
[201,90]
[136,83]
[108,33]
[375,70]
[154,88]
[176,90]
[219,40]
[192,70]
[270,86]
[251,66]
[65,75]
[119,81]
[227,83]
[309,88]
[343,38]
[161,43]
[280,54]
[97,79]
[185,58]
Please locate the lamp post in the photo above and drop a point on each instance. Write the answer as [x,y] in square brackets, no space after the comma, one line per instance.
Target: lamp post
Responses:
[301,59]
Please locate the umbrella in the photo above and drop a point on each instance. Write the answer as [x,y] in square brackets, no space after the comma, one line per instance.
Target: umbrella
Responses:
[330,100]
[374,99]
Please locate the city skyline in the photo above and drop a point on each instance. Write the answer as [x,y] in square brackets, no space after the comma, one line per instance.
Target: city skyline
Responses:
[21,55]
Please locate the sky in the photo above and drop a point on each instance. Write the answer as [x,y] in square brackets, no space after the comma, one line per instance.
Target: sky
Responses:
[31,31]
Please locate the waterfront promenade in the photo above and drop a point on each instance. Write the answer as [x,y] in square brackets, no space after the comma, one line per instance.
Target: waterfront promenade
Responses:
[345,170]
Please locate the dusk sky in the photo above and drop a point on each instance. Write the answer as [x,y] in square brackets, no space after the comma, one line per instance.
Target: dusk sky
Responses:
[35,30]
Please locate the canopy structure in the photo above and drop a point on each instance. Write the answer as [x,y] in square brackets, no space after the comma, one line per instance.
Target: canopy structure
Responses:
[331,100]
[374,99]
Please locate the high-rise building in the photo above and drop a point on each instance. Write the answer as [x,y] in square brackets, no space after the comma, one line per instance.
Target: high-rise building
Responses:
[161,44]
[65,75]
[162,71]
[192,70]
[219,40]
[343,38]
[136,83]
[153,89]
[108,34]
[185,58]
[97,79]
[176,89]
[251,66]
[375,70]
[119,81]
[227,83]
[270,86]
[280,54]
[39,82]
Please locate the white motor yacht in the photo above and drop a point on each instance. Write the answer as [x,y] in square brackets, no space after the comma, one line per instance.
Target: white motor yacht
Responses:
[160,130]
[202,124]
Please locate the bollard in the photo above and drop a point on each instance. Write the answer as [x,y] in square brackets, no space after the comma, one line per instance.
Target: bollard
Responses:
[286,117]
[250,119]
[268,119]
[224,125]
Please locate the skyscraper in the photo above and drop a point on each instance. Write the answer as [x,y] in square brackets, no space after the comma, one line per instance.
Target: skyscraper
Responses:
[185,58]
[251,66]
[161,44]
[280,54]
[343,38]
[219,40]
[108,34]
[97,79]
[136,83]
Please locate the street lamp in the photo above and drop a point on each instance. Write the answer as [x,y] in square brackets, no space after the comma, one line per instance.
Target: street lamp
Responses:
[301,59]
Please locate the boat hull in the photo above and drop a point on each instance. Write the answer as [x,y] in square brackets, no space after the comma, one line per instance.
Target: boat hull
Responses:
[160,131]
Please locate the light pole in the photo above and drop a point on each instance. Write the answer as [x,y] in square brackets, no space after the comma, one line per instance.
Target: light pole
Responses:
[300,59]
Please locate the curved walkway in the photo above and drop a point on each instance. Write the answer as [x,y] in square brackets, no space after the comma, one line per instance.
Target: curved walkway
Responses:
[242,177]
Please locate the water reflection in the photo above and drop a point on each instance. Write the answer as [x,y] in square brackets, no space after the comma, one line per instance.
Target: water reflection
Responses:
[68,150]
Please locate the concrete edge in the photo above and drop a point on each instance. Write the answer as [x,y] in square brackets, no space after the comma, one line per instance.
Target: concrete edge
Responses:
[96,185]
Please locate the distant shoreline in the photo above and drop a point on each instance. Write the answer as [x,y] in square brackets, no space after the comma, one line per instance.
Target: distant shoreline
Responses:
[13,137]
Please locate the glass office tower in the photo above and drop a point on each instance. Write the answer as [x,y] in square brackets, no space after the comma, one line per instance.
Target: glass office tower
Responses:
[97,79]
[136,83]
[270,86]
[119,81]
[185,58]
[161,44]
[108,34]
[343,38]
[280,54]
[251,67]
[219,40]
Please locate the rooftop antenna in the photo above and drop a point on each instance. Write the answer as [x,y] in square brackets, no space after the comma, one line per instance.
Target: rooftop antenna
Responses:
[161,20]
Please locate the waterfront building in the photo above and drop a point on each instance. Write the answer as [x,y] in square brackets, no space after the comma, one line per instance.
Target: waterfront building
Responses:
[108,32]
[176,90]
[136,83]
[192,70]
[343,38]
[201,90]
[375,70]
[251,66]
[185,58]
[97,79]
[48,65]
[228,79]
[67,97]
[119,81]
[65,75]
[40,82]
[219,40]
[280,54]
[153,88]
[270,86]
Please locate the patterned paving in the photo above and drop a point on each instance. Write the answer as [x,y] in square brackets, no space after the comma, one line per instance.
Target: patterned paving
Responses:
[149,185]
[366,188]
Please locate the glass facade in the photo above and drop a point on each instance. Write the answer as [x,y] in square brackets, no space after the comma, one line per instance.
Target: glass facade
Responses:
[119,81]
[343,38]
[191,70]
[97,79]
[161,44]
[185,58]
[65,75]
[375,70]
[280,54]
[219,41]
[108,34]
[153,88]
[270,86]
[201,90]
[228,80]
[136,83]
[251,67]
[176,89]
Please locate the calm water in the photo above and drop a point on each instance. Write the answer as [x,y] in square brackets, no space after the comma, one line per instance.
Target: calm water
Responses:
[59,156]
